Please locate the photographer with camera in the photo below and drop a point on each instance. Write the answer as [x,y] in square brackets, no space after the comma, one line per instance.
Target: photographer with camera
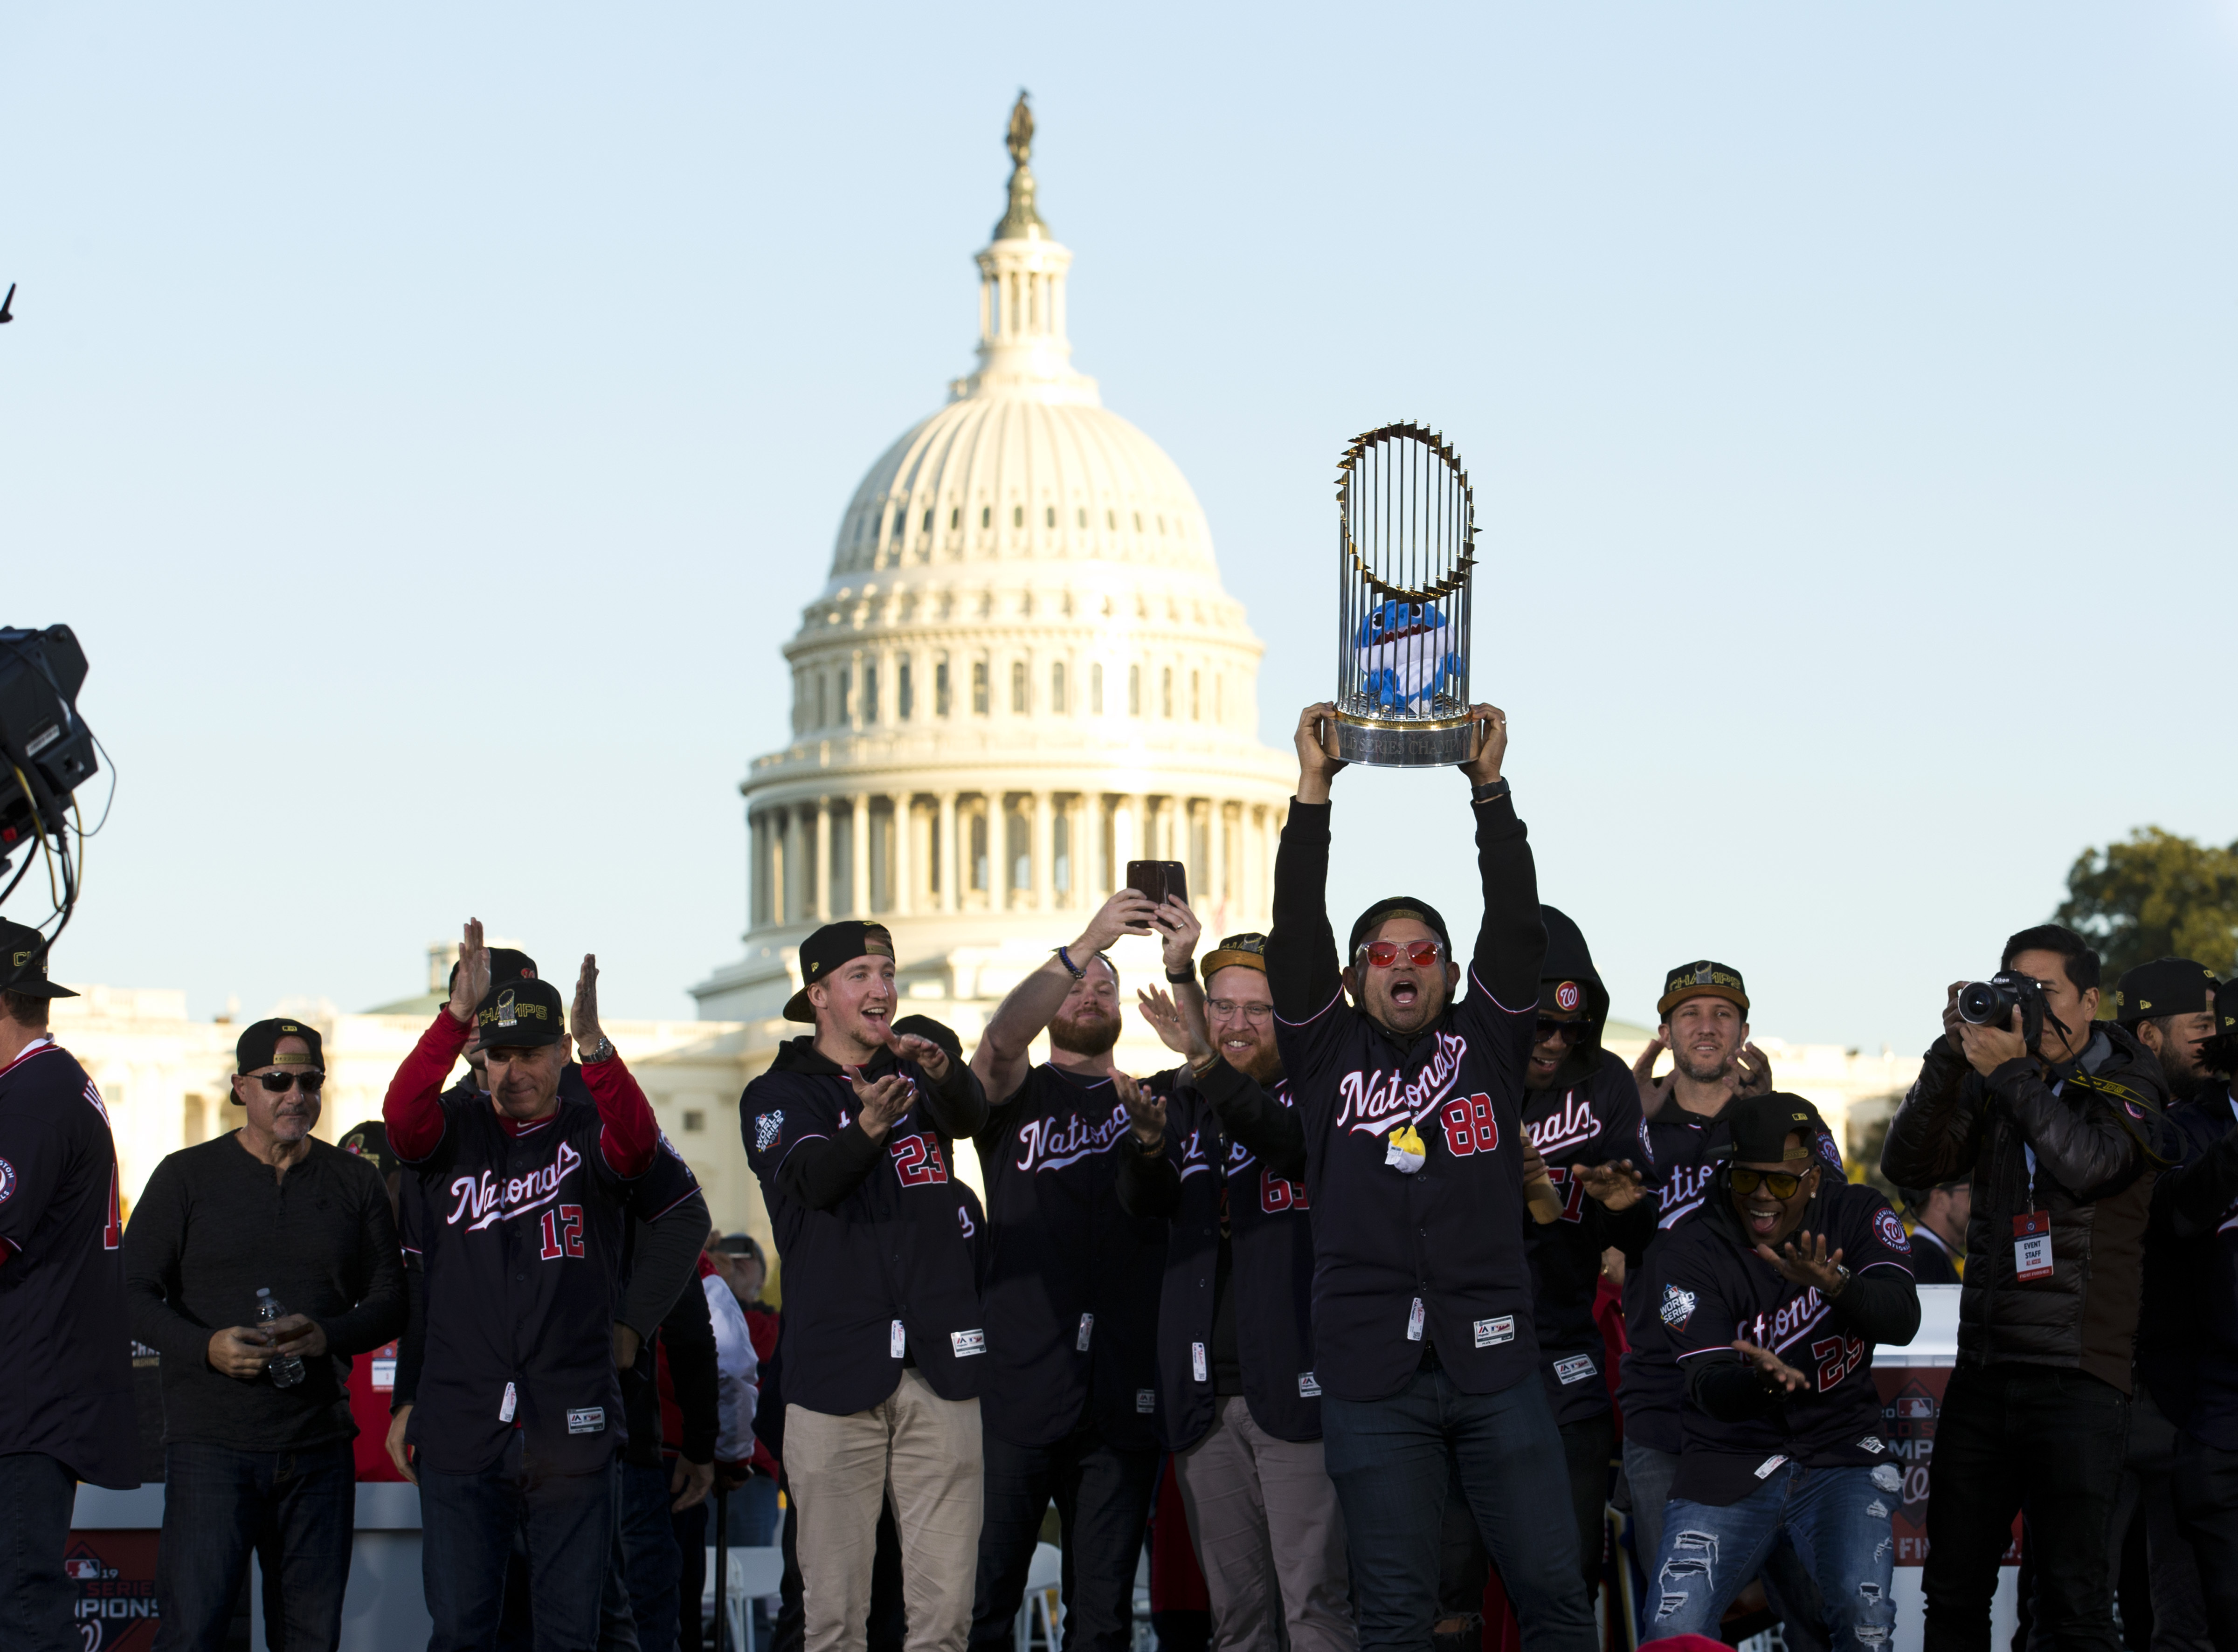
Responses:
[2061,1124]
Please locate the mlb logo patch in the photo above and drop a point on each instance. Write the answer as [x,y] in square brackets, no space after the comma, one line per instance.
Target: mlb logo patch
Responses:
[1491,1331]
[1678,1307]
[964,1343]
[1575,1369]
[1146,1400]
[768,1127]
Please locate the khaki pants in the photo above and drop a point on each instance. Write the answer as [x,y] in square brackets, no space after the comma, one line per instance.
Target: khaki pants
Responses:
[1268,1535]
[923,1451]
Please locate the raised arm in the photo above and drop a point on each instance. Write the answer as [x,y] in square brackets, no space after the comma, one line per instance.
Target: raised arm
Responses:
[413,1110]
[1511,943]
[1003,1055]
[1936,1134]
[1304,973]
[628,1132]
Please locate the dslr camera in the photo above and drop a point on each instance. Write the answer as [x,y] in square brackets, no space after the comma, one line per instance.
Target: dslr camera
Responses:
[1991,1003]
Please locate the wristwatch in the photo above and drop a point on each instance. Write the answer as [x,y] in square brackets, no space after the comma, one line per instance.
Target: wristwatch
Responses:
[1842,1277]
[1182,979]
[602,1051]
[1488,790]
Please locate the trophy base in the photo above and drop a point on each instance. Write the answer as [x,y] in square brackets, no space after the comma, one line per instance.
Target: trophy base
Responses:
[1396,745]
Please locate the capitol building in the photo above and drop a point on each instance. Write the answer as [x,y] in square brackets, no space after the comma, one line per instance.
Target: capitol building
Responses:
[1022,672]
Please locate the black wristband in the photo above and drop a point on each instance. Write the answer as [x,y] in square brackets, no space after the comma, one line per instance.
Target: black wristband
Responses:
[1488,790]
[1183,979]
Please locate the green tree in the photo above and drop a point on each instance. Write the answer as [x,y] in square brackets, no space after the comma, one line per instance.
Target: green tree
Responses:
[2156,895]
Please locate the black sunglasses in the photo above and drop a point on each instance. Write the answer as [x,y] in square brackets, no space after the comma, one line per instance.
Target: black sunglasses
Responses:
[1549,1027]
[278,1083]
[1781,1184]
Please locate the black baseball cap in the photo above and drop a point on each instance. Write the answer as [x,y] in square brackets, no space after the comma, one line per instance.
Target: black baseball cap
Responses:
[2164,986]
[1236,951]
[24,963]
[369,1141]
[1703,978]
[740,1245]
[1761,1124]
[1398,906]
[260,1040]
[507,963]
[521,1015]
[833,945]
[939,1032]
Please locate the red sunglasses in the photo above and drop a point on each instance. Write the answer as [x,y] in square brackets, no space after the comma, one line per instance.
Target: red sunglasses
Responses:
[1383,954]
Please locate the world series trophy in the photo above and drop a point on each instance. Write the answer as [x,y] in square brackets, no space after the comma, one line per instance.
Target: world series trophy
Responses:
[1406,546]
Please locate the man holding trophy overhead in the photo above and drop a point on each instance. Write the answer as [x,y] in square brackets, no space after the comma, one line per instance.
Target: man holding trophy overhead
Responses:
[1415,1165]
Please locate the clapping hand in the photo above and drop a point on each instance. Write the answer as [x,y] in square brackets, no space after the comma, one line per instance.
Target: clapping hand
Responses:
[1146,1111]
[1165,1016]
[880,1105]
[929,1058]
[1807,1264]
[1755,1072]
[1653,1091]
[1777,1373]
[1617,1185]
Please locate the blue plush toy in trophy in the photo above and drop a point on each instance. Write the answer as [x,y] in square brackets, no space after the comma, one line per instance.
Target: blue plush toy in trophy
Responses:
[1406,546]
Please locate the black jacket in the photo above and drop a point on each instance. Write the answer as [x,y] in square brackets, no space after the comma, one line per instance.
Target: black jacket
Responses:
[2187,1339]
[2100,1135]
[1226,1134]
[1588,1115]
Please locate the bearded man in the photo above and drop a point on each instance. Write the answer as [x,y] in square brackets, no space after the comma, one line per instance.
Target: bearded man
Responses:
[1069,1408]
[1223,1161]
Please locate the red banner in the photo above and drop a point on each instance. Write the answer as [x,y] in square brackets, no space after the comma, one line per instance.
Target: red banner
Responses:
[1911,1400]
[114,1573]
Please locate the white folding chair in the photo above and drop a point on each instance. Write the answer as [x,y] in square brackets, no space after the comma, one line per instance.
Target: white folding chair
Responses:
[1041,1609]
[754,1573]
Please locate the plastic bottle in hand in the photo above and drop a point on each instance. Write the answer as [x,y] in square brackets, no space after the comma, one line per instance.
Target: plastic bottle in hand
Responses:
[284,1372]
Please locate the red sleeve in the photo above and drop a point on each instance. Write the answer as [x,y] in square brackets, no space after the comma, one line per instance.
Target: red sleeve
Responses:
[631,1134]
[413,1109]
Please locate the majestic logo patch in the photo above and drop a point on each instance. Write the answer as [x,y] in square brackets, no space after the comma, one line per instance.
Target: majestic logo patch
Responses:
[1891,1232]
[1871,1442]
[7,1181]
[768,1126]
[591,1419]
[1146,1400]
[1575,1369]
[964,1343]
[1490,1331]
[1309,1387]
[1678,1307]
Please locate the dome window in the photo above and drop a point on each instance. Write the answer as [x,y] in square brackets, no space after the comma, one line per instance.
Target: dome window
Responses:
[1138,521]
[1018,516]
[1048,516]
[1134,691]
[954,517]
[1082,516]
[986,516]
[1018,687]
[1111,521]
[928,519]
[1166,692]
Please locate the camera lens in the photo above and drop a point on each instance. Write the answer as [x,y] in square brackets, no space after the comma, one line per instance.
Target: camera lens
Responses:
[1982,1003]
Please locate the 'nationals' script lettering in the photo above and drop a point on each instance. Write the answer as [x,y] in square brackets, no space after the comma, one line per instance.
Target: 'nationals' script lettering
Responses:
[1377,1101]
[1049,1144]
[486,1200]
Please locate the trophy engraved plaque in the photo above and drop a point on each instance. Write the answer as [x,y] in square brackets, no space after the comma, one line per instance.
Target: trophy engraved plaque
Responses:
[1406,546]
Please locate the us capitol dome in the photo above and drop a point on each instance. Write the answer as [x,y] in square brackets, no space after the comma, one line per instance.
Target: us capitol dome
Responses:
[1022,673]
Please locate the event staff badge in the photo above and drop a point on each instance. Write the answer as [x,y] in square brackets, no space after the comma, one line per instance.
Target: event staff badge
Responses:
[1406,547]
[2032,1245]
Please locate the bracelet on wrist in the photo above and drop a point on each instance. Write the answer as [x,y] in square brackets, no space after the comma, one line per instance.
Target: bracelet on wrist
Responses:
[1485,791]
[1071,968]
[1183,977]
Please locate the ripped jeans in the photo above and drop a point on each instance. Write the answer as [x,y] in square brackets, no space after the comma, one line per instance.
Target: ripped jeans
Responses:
[1837,1520]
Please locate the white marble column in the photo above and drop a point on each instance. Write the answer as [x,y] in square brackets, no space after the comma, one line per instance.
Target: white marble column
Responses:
[951,857]
[1217,904]
[1044,857]
[819,873]
[905,883]
[858,843]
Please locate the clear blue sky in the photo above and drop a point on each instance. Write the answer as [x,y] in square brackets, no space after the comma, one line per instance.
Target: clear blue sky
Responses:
[432,419]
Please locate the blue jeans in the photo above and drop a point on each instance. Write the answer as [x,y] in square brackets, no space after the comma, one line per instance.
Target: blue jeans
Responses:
[1391,1460]
[467,1526]
[37,1601]
[297,1509]
[1837,1520]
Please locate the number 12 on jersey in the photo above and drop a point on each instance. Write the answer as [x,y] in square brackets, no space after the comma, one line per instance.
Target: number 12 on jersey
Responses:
[563,1232]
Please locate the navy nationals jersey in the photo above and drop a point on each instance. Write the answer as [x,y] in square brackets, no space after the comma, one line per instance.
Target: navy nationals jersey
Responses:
[1072,1280]
[877,1236]
[1268,1298]
[521,1231]
[1594,1121]
[1436,1254]
[2187,1329]
[1687,1147]
[67,1391]
[1723,1291]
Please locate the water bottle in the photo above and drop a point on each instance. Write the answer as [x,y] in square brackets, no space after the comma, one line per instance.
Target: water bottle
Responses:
[284,1373]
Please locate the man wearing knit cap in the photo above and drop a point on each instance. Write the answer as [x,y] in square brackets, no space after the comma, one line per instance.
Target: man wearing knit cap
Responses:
[66,1411]
[1223,1160]
[1409,1093]
[853,1133]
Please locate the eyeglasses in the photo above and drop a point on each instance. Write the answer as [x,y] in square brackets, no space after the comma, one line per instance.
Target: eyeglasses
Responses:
[1384,954]
[1228,1010]
[1781,1184]
[278,1083]
[1572,1031]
